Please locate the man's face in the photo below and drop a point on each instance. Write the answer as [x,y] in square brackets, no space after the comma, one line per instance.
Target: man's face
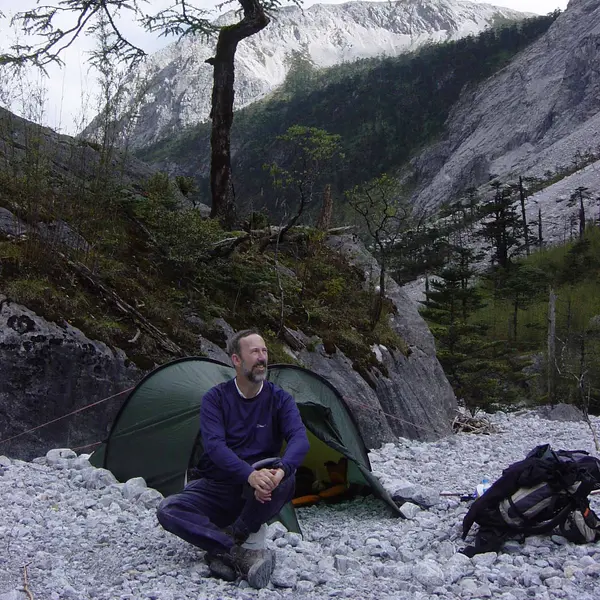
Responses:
[253,358]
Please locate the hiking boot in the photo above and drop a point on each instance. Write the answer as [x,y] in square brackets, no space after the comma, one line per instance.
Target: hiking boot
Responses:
[219,568]
[256,566]
[266,554]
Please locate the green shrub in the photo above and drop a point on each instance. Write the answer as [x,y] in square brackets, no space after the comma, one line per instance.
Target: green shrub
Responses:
[31,291]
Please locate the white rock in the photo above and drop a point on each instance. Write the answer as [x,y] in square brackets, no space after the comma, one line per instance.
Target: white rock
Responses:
[134,488]
[429,574]
[54,456]
[410,510]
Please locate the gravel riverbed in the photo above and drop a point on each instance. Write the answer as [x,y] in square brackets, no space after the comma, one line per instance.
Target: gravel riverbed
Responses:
[83,536]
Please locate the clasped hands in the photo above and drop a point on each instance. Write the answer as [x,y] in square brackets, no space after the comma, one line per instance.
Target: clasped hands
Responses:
[264,481]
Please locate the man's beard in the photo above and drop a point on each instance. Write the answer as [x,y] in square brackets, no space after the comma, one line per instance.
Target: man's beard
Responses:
[255,376]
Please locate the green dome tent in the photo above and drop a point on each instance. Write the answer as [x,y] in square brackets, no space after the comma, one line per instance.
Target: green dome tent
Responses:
[155,434]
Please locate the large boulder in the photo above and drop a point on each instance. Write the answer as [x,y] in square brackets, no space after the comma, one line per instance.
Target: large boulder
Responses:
[48,371]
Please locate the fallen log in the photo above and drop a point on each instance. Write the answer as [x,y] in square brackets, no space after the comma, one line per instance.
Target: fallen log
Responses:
[123,306]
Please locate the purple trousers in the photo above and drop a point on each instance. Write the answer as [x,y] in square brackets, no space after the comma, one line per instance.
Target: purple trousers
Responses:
[199,513]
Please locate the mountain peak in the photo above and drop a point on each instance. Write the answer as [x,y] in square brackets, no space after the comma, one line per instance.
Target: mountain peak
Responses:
[178,82]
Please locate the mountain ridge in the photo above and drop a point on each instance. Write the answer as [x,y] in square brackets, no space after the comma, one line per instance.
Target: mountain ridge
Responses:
[534,116]
[178,83]
[386,110]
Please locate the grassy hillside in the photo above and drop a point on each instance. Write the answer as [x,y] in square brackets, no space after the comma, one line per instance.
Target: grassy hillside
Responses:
[573,270]
[150,275]
[385,110]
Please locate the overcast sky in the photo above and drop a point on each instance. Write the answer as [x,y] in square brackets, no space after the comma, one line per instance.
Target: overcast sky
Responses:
[69,94]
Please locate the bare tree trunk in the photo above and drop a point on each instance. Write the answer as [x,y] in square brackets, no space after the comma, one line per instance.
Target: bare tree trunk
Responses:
[552,347]
[525,227]
[381,295]
[221,183]
[581,216]
[582,370]
[540,237]
[569,318]
[324,219]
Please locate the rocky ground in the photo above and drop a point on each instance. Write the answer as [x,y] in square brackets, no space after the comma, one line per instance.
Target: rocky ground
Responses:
[83,536]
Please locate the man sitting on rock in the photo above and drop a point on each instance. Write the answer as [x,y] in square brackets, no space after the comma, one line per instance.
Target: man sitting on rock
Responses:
[242,422]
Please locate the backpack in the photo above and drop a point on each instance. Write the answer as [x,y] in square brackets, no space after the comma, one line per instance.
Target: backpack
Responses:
[546,490]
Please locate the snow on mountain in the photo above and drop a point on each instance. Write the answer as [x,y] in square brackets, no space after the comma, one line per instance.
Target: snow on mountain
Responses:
[178,82]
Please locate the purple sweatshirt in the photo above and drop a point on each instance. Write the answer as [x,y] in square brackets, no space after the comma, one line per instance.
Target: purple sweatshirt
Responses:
[237,431]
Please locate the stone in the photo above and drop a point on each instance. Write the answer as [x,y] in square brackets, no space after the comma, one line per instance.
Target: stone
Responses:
[292,538]
[61,232]
[14,595]
[469,585]
[54,457]
[446,549]
[49,370]
[99,478]
[429,574]
[561,412]
[458,566]
[304,586]
[134,488]
[284,577]
[276,530]
[10,224]
[402,488]
[554,582]
[150,498]
[486,559]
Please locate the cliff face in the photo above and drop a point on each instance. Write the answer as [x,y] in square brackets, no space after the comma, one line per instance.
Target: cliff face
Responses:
[177,82]
[412,392]
[48,371]
[535,115]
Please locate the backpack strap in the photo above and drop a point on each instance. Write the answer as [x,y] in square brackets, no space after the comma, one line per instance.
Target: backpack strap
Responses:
[549,525]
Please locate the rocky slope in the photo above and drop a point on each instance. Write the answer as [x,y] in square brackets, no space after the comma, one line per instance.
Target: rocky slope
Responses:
[535,115]
[50,368]
[177,82]
[71,165]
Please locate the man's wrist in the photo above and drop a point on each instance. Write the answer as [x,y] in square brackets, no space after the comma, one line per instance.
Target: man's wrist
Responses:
[280,472]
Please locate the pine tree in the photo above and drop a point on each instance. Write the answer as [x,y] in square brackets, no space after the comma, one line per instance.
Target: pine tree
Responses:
[472,364]
[576,199]
[521,285]
[502,225]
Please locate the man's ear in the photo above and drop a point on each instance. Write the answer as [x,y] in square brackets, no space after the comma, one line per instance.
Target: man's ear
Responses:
[236,360]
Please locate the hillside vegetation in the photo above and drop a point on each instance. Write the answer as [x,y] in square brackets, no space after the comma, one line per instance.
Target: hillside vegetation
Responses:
[149,273]
[527,327]
[385,110]
[572,271]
